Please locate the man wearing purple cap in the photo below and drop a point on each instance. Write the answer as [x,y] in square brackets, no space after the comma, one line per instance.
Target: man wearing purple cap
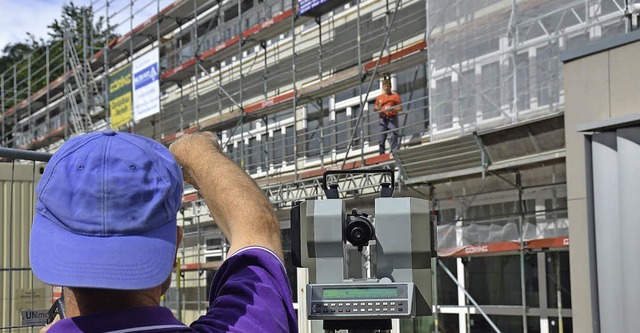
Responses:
[105,229]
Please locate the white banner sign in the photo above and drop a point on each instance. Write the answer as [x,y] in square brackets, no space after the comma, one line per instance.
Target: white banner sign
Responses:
[146,85]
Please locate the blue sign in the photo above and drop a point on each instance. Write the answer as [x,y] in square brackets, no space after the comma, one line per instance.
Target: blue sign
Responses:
[146,76]
[318,7]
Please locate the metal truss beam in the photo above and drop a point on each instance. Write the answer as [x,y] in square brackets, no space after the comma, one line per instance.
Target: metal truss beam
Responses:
[350,186]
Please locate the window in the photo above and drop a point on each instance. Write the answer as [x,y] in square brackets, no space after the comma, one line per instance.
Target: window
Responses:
[185,39]
[252,155]
[213,243]
[522,84]
[289,148]
[558,279]
[484,272]
[447,289]
[412,87]
[490,90]
[232,153]
[317,133]
[312,138]
[207,26]
[327,134]
[342,130]
[246,5]
[443,103]
[547,74]
[231,13]
[263,153]
[467,97]
[277,143]
[371,124]
[355,112]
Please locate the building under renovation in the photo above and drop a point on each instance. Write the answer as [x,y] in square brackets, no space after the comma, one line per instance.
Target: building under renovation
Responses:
[290,91]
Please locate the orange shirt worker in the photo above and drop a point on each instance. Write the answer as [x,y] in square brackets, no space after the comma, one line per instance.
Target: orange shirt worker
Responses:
[388,104]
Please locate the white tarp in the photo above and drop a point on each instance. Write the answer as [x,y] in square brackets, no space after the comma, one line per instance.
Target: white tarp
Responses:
[146,85]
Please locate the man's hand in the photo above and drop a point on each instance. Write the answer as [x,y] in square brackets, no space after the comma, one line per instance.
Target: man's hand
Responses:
[188,149]
[47,327]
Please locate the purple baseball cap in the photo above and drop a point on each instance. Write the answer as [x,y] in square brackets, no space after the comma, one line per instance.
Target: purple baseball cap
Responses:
[106,213]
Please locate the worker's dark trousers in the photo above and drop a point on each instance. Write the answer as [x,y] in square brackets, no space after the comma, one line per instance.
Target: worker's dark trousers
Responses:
[388,125]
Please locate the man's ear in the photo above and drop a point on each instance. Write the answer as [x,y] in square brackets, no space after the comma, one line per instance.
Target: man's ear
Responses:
[179,235]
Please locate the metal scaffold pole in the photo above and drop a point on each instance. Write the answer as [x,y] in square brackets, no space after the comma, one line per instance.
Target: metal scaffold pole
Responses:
[240,84]
[2,140]
[67,92]
[47,80]
[521,212]
[105,52]
[294,15]
[360,78]
[29,107]
[159,37]
[196,68]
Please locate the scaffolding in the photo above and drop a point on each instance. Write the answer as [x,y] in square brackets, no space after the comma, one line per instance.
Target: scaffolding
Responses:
[292,96]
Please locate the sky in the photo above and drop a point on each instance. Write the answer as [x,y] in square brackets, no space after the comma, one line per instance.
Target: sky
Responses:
[17,17]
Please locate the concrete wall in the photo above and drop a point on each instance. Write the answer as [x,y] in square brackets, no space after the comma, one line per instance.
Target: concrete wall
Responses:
[598,86]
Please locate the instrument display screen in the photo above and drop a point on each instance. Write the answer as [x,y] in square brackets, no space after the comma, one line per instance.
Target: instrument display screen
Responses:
[360,293]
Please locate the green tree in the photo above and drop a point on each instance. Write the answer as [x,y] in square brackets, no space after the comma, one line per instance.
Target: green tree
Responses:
[14,52]
[74,21]
[18,60]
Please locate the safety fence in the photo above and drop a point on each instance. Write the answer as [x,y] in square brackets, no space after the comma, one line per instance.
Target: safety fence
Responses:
[24,300]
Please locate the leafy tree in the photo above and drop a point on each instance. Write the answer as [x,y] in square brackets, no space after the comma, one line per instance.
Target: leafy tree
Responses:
[29,56]
[14,52]
[75,19]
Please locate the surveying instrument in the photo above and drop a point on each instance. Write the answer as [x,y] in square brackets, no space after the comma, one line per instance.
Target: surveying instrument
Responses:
[398,236]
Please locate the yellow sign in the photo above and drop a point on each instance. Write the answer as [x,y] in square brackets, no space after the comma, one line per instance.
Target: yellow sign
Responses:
[121,108]
[120,97]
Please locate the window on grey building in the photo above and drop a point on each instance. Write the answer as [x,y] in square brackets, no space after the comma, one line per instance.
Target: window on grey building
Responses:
[496,280]
[371,125]
[355,112]
[276,149]
[411,85]
[467,108]
[252,155]
[246,5]
[558,279]
[443,103]
[341,130]
[522,81]
[312,137]
[490,90]
[289,148]
[447,289]
[547,76]
[231,13]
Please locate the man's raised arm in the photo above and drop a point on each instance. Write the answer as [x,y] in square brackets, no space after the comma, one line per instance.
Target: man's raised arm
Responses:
[238,206]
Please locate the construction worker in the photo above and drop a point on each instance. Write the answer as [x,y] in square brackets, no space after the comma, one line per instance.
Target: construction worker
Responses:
[105,229]
[387,105]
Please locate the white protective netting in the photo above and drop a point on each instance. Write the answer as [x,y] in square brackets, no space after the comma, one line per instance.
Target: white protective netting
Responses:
[496,62]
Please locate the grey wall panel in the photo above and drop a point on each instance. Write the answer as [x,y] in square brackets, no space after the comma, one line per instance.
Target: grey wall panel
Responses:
[608,231]
[628,163]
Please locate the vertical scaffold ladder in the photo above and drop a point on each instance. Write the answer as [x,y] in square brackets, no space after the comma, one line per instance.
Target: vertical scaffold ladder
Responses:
[85,86]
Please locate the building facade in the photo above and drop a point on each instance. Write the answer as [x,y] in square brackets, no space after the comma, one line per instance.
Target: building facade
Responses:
[291,96]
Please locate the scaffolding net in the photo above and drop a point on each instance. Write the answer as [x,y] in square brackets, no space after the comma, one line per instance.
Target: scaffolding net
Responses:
[496,62]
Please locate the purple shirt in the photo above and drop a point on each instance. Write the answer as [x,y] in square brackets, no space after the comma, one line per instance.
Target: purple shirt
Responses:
[249,293]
